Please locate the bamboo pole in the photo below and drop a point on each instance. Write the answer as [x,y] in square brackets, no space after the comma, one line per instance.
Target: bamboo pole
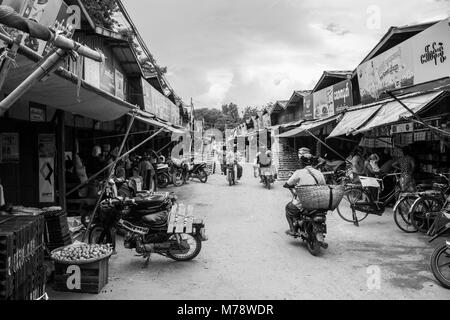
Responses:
[111,172]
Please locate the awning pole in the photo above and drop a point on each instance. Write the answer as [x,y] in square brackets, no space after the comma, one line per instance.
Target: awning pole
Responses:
[110,165]
[110,174]
[47,66]
[326,145]
[164,147]
[415,115]
[9,60]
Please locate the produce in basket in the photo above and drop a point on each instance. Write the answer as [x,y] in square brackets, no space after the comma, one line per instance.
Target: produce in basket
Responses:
[82,252]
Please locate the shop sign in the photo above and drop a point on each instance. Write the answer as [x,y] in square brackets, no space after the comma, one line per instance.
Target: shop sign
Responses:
[402,128]
[37,113]
[9,147]
[420,59]
[158,104]
[342,96]
[47,13]
[309,107]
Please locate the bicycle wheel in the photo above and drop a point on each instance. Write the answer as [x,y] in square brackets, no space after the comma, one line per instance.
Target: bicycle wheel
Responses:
[346,208]
[402,215]
[423,212]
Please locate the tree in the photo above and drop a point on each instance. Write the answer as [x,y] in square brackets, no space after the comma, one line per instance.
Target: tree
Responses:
[102,12]
[250,112]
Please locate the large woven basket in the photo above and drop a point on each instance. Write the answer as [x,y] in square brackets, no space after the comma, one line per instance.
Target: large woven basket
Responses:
[320,197]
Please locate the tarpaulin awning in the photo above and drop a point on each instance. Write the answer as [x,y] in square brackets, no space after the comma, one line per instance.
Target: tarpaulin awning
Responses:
[353,120]
[393,111]
[308,126]
[150,119]
[59,90]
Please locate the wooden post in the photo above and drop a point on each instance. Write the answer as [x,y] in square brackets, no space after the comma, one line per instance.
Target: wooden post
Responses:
[61,157]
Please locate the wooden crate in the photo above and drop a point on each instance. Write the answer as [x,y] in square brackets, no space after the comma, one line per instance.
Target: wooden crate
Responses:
[93,277]
[181,219]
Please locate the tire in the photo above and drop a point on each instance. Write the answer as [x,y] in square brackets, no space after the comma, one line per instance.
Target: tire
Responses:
[163,180]
[187,257]
[421,210]
[313,244]
[202,176]
[177,178]
[402,214]
[346,208]
[444,279]
[230,178]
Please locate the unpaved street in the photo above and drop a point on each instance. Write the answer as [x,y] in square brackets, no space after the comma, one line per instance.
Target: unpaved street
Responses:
[248,256]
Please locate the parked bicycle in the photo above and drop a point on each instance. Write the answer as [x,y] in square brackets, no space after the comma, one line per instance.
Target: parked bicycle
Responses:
[427,207]
[372,198]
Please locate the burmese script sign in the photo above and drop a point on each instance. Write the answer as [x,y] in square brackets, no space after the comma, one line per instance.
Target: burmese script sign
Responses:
[420,59]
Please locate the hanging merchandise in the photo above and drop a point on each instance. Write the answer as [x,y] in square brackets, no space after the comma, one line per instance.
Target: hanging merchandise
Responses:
[2,196]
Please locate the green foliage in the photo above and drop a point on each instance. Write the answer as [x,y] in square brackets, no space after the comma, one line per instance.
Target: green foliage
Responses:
[102,12]
[228,117]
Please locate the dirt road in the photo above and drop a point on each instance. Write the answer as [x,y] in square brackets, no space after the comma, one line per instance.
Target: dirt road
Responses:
[248,255]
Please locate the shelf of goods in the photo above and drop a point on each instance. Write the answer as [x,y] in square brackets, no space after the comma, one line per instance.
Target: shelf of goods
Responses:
[22,271]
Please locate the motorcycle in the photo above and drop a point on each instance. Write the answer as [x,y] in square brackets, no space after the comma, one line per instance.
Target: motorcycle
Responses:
[163,173]
[267,177]
[440,260]
[311,228]
[231,173]
[183,172]
[148,220]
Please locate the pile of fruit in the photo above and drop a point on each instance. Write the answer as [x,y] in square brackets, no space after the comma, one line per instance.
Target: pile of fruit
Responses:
[82,252]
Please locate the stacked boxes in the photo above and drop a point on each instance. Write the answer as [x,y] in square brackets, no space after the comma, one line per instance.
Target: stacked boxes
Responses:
[22,272]
[57,233]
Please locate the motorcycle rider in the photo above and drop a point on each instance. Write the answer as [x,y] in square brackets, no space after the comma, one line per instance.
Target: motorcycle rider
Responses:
[306,176]
[263,159]
[231,158]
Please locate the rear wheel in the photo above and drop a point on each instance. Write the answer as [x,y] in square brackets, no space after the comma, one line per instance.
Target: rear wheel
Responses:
[423,212]
[440,265]
[230,178]
[163,180]
[347,208]
[195,246]
[313,244]
[402,216]
[202,176]
[177,178]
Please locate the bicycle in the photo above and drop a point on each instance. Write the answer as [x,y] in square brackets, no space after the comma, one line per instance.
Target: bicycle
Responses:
[359,200]
[424,210]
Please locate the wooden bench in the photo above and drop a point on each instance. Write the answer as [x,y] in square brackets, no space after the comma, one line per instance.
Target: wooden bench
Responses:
[181,219]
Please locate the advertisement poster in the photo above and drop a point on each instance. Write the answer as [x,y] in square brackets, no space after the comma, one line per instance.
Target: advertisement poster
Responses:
[46,180]
[323,103]
[9,147]
[47,146]
[107,78]
[92,72]
[419,59]
[343,96]
[46,143]
[309,107]
[120,93]
[45,12]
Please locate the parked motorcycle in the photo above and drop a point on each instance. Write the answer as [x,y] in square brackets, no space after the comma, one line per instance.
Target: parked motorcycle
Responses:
[164,177]
[146,217]
[312,228]
[184,172]
[440,260]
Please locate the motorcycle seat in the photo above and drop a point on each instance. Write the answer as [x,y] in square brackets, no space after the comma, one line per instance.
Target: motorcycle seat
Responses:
[151,201]
[158,218]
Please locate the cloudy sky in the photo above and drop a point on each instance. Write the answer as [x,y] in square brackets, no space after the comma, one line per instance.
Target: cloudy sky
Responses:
[251,52]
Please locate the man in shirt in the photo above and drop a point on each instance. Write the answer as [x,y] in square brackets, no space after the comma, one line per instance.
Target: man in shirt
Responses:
[306,176]
[231,159]
[263,159]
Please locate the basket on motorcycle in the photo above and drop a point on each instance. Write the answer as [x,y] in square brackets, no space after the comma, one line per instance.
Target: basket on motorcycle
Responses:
[325,197]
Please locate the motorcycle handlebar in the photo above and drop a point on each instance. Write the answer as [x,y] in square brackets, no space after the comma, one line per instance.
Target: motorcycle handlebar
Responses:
[12,19]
